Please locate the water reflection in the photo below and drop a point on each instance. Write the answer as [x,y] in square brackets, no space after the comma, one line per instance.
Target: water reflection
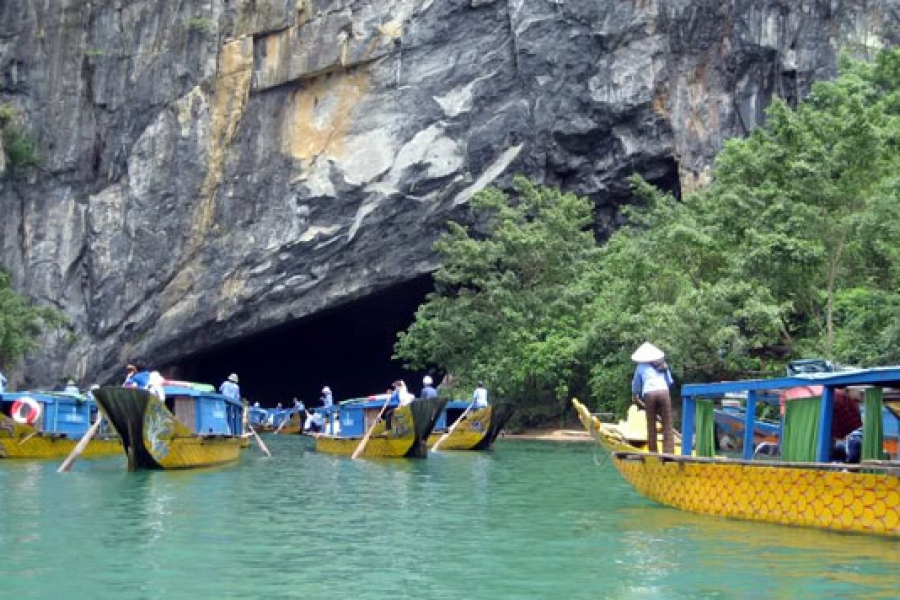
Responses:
[529,520]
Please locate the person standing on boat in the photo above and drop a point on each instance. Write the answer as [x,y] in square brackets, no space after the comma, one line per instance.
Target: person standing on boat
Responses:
[3,381]
[230,388]
[650,388]
[71,389]
[428,390]
[480,397]
[327,398]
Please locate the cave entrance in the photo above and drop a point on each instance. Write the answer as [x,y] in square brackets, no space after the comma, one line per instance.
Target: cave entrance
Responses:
[348,348]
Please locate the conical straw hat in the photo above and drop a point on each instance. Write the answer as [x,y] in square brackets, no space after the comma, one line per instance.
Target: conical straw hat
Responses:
[647,353]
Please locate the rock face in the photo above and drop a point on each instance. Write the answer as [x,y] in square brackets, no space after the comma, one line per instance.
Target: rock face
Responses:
[211,168]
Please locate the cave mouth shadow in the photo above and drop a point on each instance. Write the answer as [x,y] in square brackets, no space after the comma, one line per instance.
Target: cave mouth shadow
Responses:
[348,348]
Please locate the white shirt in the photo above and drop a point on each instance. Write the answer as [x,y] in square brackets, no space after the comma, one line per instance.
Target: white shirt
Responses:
[479,398]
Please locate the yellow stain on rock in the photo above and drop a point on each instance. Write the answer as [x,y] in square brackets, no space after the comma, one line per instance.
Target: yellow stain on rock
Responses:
[230,295]
[230,92]
[317,117]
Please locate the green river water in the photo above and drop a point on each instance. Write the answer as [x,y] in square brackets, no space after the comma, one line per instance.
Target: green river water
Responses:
[528,520]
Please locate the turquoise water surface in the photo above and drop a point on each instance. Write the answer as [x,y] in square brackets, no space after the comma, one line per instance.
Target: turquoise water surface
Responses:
[528,520]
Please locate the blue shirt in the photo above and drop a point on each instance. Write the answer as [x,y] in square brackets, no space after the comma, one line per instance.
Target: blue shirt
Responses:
[429,392]
[140,380]
[648,378]
[231,390]
[2,383]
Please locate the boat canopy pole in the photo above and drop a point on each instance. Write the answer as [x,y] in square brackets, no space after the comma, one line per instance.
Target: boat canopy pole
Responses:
[749,423]
[826,410]
[687,425]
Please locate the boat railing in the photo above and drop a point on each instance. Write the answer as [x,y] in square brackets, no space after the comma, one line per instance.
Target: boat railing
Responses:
[885,467]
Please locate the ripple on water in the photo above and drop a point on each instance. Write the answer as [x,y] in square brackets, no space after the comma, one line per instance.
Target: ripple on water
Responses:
[529,520]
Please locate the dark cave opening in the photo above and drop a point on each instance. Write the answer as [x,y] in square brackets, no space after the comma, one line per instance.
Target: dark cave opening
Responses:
[348,348]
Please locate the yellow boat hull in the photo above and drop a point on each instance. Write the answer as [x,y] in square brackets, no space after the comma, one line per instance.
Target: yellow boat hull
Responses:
[851,498]
[23,441]
[805,496]
[477,432]
[378,446]
[153,438]
[410,427]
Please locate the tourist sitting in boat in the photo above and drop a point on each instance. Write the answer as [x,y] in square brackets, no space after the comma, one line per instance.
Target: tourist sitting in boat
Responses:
[846,416]
[314,422]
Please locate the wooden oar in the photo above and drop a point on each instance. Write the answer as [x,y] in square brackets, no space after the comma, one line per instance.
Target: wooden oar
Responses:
[283,423]
[80,446]
[365,440]
[259,441]
[28,437]
[444,437]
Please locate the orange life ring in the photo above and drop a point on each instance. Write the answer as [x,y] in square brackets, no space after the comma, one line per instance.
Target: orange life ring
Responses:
[34,410]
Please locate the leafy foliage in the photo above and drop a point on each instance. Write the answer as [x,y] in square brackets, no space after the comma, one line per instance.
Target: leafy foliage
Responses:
[790,252]
[508,305]
[20,149]
[20,323]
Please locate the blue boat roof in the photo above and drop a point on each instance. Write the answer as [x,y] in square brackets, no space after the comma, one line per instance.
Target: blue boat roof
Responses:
[45,397]
[196,390]
[880,376]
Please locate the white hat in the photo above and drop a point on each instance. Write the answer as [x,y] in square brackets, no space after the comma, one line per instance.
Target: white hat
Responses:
[233,377]
[326,390]
[647,353]
[427,380]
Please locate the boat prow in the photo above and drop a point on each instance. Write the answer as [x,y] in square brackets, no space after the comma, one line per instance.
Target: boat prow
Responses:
[477,431]
[154,438]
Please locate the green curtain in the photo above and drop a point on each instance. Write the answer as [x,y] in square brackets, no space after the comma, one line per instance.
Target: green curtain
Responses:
[873,428]
[801,427]
[705,428]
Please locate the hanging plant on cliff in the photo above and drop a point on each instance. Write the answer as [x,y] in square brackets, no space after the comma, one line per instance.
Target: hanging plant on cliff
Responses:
[507,304]
[20,323]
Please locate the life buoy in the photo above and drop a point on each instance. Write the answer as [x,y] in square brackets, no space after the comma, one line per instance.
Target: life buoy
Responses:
[34,410]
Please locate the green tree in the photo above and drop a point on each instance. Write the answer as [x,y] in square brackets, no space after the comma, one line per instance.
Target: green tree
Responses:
[790,251]
[509,301]
[20,323]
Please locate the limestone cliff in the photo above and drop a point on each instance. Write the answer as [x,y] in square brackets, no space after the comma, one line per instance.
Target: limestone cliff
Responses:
[211,168]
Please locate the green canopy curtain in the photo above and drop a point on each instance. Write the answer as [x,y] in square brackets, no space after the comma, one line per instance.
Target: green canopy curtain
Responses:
[801,426]
[704,418]
[873,426]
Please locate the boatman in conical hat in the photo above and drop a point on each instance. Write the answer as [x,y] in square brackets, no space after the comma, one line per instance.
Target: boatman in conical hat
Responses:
[650,390]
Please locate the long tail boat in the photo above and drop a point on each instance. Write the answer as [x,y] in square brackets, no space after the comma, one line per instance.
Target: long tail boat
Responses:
[804,488]
[38,424]
[402,433]
[193,427]
[477,431]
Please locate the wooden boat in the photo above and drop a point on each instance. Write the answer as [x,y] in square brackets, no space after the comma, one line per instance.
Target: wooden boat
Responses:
[49,424]
[477,432]
[630,434]
[730,424]
[290,423]
[809,492]
[194,427]
[409,429]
